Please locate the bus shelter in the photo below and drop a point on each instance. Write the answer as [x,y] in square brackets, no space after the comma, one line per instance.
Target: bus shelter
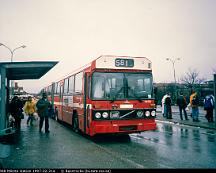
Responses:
[18,71]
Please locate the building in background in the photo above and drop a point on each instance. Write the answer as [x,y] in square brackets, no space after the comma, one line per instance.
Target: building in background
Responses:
[18,90]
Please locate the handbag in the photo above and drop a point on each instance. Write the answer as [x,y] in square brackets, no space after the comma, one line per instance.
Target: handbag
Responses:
[21,115]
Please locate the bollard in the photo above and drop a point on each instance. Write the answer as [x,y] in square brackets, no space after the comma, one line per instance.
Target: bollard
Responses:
[7,131]
[7,135]
[215,97]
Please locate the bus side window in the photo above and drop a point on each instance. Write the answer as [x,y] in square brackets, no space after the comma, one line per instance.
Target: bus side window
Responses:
[58,88]
[78,82]
[71,85]
[66,86]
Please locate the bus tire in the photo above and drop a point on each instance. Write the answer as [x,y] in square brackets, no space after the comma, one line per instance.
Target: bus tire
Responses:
[75,123]
[56,117]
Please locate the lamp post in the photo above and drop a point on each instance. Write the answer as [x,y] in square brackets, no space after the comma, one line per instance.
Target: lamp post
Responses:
[12,51]
[173,64]
[12,54]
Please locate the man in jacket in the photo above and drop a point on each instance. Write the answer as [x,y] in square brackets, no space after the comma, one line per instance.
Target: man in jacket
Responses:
[43,112]
[181,102]
[194,102]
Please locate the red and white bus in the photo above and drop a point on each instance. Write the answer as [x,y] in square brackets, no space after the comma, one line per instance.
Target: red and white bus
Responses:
[112,94]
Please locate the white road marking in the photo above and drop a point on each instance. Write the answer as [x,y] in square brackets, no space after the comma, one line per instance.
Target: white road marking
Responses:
[136,165]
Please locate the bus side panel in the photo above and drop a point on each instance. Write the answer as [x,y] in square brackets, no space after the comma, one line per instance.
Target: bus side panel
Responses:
[66,109]
[84,110]
[57,105]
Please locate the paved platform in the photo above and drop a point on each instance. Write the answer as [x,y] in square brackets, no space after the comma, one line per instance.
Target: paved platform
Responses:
[176,118]
[30,136]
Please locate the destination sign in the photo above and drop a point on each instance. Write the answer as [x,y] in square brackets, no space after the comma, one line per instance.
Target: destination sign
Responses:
[124,62]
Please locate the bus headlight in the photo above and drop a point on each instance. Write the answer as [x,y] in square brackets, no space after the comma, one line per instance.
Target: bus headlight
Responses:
[139,114]
[153,113]
[147,113]
[105,115]
[97,114]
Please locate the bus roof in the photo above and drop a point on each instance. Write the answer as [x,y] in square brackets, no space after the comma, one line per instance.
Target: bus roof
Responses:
[115,62]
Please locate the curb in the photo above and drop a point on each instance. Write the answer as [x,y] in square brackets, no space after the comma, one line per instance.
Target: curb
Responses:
[188,124]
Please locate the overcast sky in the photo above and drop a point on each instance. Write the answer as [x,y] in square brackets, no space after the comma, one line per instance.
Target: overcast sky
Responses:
[75,32]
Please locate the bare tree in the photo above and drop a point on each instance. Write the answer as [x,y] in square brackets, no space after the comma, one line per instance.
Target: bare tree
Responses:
[191,78]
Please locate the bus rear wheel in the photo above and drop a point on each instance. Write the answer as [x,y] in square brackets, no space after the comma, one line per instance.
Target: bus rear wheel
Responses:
[56,118]
[75,123]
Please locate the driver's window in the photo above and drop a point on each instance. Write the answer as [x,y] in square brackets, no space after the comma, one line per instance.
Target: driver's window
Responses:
[98,92]
[110,87]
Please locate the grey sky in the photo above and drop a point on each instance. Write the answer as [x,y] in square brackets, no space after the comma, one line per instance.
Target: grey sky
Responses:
[75,32]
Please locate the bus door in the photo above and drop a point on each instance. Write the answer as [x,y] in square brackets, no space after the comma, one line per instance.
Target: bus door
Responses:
[52,94]
[86,105]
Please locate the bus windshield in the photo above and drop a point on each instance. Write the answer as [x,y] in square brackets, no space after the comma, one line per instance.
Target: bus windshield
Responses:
[120,86]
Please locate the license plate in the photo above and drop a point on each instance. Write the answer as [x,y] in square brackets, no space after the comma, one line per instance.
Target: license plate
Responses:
[127,128]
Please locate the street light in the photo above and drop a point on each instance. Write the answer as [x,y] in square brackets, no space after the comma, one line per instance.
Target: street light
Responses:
[12,51]
[173,63]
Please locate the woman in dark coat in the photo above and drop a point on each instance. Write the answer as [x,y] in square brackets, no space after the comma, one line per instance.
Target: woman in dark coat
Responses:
[16,111]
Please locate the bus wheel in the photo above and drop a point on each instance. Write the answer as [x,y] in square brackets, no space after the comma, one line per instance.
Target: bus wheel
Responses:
[56,117]
[75,126]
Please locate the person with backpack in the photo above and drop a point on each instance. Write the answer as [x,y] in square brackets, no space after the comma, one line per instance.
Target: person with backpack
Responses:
[182,103]
[194,102]
[43,111]
[209,106]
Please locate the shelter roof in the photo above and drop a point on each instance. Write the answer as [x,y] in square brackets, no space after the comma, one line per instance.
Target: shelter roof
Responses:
[27,70]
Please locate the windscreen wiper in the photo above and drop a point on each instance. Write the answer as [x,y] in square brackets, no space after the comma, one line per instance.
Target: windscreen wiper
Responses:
[137,98]
[117,93]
